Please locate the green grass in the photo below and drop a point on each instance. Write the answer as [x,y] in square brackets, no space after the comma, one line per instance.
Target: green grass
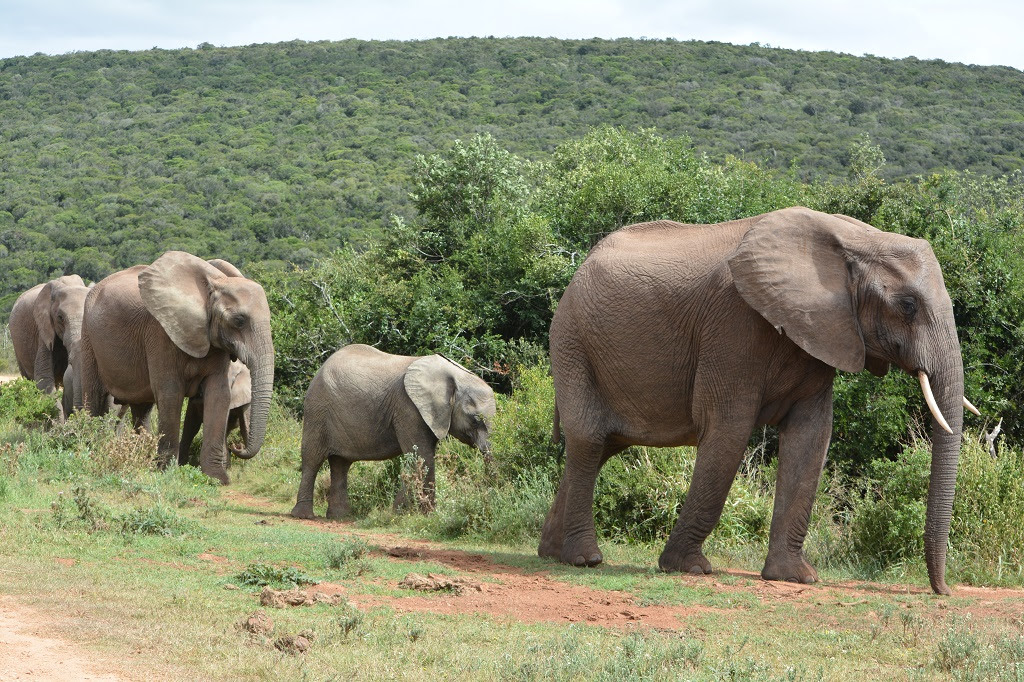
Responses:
[128,559]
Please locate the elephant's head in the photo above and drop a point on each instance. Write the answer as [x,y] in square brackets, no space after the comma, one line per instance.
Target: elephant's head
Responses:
[58,312]
[451,400]
[855,297]
[201,307]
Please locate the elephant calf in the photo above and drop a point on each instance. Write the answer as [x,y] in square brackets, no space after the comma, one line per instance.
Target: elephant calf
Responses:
[367,405]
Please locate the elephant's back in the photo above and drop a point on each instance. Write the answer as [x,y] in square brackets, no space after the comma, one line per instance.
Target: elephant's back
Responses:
[348,399]
[359,370]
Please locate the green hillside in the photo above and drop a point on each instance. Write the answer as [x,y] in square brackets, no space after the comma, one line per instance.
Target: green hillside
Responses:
[286,151]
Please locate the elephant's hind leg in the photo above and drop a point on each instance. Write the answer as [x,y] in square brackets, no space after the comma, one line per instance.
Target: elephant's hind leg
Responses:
[337,497]
[803,443]
[314,452]
[718,458]
[569,530]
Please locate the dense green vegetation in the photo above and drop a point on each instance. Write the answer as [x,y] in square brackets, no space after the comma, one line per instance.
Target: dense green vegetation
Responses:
[438,196]
[288,151]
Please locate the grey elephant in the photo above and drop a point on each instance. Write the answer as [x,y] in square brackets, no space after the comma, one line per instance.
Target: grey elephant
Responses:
[239,410]
[672,334]
[45,326]
[156,334]
[364,404]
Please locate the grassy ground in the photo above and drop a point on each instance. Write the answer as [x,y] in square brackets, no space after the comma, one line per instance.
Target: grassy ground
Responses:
[160,570]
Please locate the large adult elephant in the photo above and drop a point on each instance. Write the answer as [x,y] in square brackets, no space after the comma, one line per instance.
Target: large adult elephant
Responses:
[365,404]
[672,334]
[45,326]
[156,334]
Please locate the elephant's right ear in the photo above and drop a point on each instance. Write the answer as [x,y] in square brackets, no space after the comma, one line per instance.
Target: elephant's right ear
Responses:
[430,385]
[41,315]
[176,289]
[793,267]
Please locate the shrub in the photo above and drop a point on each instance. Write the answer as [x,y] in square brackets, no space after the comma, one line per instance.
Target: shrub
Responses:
[155,520]
[348,550]
[887,519]
[22,402]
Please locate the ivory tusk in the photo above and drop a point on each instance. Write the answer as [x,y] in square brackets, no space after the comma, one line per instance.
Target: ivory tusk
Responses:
[930,399]
[972,408]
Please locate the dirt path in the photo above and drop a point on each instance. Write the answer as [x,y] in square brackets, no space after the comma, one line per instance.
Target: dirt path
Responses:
[510,593]
[29,651]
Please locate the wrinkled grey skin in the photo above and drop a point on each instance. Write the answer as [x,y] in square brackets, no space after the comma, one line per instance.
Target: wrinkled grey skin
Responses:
[675,334]
[240,385]
[156,334]
[45,326]
[367,405]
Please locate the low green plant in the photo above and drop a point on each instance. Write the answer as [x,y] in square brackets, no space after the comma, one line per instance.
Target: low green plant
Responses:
[343,553]
[155,520]
[266,575]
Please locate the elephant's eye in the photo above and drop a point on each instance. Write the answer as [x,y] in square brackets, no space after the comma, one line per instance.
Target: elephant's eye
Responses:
[239,320]
[907,306]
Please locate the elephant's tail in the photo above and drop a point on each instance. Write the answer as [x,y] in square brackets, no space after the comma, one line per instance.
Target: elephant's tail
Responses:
[556,434]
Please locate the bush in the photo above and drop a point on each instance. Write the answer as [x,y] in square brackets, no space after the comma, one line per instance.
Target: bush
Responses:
[22,402]
[155,520]
[265,575]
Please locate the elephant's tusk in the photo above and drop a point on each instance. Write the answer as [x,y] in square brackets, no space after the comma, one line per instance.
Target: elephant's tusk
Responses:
[972,408]
[930,399]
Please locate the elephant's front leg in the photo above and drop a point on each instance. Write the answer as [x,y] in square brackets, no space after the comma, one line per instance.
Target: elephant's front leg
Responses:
[803,443]
[216,402]
[168,402]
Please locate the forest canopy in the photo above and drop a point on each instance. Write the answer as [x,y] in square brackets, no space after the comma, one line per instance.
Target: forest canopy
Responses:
[289,151]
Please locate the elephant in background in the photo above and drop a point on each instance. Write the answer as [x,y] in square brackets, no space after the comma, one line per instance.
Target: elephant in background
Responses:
[45,326]
[157,334]
[672,334]
[240,386]
[364,404]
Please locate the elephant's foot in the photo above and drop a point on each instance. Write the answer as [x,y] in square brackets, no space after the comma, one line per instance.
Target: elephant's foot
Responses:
[219,473]
[334,513]
[550,547]
[304,510]
[789,568]
[684,561]
[582,552]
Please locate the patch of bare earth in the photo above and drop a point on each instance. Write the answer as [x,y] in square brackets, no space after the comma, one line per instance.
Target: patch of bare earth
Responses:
[29,650]
[510,593]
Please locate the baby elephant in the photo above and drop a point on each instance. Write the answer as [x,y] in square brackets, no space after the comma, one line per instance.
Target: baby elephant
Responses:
[364,404]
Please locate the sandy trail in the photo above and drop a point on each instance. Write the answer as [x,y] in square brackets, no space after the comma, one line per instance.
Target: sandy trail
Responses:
[29,651]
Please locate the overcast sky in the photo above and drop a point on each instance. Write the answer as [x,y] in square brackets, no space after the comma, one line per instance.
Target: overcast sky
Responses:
[974,32]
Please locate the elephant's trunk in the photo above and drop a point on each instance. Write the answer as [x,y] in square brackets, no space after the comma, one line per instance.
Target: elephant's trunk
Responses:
[261,367]
[947,383]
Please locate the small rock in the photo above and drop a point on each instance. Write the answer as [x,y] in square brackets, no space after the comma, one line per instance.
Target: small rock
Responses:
[230,586]
[258,623]
[292,644]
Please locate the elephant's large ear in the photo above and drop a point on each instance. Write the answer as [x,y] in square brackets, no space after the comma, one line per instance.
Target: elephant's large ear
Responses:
[41,315]
[176,290]
[430,385]
[794,267]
